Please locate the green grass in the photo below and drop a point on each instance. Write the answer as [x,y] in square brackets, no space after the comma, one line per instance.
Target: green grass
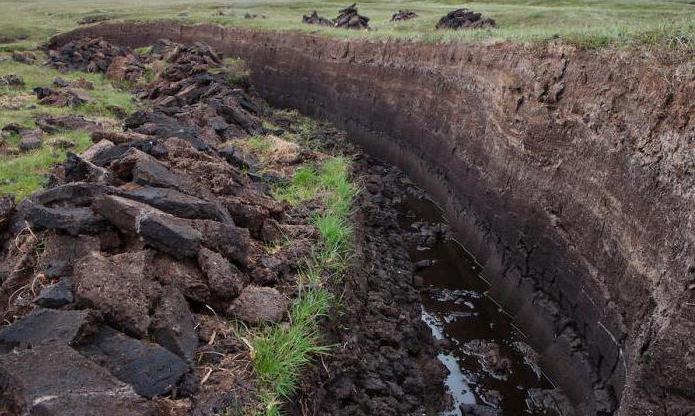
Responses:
[592,23]
[281,352]
[103,97]
[22,174]
[258,144]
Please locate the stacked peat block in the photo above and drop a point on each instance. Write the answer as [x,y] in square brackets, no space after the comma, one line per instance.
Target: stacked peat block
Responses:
[97,55]
[104,273]
[464,18]
[349,18]
[315,19]
[403,15]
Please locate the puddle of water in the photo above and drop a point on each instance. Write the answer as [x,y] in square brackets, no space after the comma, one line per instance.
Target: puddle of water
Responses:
[488,361]
[458,384]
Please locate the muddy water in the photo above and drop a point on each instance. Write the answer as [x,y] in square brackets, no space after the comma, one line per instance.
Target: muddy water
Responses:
[488,360]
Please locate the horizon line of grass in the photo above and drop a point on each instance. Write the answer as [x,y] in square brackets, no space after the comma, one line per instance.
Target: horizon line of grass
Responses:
[587,23]
[280,352]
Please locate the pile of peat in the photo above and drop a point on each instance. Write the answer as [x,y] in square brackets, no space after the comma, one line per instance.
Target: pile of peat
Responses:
[403,15]
[94,55]
[117,279]
[347,18]
[464,18]
[120,280]
[350,19]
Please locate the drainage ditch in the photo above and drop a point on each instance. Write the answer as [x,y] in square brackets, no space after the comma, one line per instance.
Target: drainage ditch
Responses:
[561,170]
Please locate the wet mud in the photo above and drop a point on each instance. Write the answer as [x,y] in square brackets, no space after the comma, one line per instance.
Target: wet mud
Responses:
[415,313]
[491,366]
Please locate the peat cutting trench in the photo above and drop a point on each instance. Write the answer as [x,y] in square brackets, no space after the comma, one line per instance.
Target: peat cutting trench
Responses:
[567,175]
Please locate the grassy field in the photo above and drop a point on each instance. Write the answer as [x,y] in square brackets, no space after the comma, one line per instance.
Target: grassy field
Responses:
[591,23]
[23,173]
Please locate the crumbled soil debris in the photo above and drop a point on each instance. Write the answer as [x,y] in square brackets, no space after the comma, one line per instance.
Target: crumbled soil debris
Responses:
[349,18]
[403,15]
[464,18]
[315,19]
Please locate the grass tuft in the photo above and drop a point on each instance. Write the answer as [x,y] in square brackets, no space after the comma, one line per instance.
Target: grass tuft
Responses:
[280,352]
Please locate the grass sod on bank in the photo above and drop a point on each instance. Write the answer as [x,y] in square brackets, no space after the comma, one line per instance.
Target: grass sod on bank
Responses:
[23,173]
[280,352]
[591,23]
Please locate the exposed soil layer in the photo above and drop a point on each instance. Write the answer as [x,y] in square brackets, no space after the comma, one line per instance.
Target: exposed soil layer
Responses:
[568,174]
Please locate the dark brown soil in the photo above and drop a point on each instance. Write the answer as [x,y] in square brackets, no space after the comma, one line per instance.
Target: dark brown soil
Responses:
[464,18]
[385,361]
